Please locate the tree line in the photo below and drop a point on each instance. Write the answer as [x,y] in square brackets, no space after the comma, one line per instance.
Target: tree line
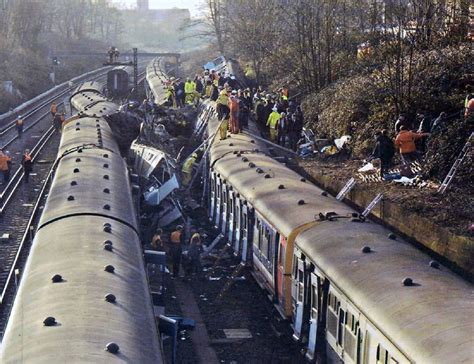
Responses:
[25,23]
[314,43]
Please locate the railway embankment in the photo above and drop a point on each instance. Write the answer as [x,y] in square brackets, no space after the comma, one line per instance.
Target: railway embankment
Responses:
[438,224]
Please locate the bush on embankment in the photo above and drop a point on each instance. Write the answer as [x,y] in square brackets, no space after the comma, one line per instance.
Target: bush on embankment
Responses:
[362,104]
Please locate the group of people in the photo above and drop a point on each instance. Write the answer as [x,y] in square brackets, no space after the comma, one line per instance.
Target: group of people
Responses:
[6,163]
[410,141]
[283,118]
[174,250]
[113,54]
[235,105]
[233,110]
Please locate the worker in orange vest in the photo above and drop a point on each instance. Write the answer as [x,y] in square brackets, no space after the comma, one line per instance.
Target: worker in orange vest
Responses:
[27,164]
[53,109]
[234,113]
[19,125]
[176,240]
[5,163]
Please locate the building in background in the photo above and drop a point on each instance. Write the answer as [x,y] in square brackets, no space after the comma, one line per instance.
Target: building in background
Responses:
[143,5]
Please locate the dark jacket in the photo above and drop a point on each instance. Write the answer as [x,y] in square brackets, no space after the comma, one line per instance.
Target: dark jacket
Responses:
[27,163]
[384,148]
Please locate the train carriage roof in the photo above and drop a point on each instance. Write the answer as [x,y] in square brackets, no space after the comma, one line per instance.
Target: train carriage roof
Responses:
[156,80]
[431,322]
[281,207]
[86,322]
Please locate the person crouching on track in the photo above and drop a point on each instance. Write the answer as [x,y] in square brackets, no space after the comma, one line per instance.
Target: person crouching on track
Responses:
[5,163]
[19,125]
[176,240]
[27,164]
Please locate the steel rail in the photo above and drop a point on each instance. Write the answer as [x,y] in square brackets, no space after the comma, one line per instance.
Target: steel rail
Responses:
[44,103]
[33,215]
[18,176]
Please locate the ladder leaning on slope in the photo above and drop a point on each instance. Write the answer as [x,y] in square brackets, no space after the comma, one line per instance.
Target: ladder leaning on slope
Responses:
[465,150]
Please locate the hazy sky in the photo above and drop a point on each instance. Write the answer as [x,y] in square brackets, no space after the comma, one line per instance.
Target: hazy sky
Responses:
[193,5]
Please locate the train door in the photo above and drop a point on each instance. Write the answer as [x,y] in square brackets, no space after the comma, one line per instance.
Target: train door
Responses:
[237,224]
[298,295]
[280,276]
[246,228]
[335,321]
[315,308]
[224,208]
[371,346]
[352,337]
[232,216]
[213,196]
[217,219]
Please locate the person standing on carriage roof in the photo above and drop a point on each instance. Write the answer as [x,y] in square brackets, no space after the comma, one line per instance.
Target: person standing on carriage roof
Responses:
[234,113]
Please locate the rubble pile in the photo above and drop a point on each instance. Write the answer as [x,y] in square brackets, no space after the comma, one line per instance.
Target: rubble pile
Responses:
[168,129]
[125,127]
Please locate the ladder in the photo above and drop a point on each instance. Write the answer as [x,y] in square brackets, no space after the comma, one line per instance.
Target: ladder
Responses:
[236,273]
[371,206]
[448,179]
[347,187]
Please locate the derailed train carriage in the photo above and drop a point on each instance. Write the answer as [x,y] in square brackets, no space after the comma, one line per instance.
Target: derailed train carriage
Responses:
[84,295]
[156,82]
[120,81]
[372,297]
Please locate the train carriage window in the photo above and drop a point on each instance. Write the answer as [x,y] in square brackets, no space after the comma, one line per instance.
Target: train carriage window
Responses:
[295,267]
[281,252]
[269,238]
[382,355]
[314,302]
[340,331]
[264,240]
[300,285]
[258,235]
[245,221]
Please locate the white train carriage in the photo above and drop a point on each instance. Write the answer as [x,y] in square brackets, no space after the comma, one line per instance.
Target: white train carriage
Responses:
[156,81]
[258,200]
[356,289]
[341,281]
